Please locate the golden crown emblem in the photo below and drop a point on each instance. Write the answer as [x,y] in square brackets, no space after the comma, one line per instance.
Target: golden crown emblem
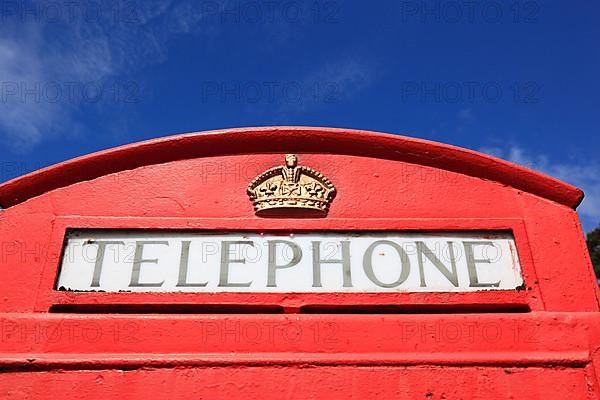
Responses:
[290,186]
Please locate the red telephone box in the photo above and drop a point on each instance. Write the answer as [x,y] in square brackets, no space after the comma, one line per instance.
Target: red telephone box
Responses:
[361,265]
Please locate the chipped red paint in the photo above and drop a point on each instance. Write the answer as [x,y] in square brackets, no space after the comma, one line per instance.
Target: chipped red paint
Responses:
[539,342]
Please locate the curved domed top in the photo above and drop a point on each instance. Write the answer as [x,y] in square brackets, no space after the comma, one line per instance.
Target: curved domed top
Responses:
[286,139]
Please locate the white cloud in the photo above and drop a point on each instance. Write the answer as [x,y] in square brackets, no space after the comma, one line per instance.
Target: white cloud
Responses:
[329,84]
[39,54]
[585,176]
[109,51]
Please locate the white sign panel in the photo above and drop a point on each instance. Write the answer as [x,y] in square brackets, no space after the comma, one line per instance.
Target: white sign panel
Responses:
[166,261]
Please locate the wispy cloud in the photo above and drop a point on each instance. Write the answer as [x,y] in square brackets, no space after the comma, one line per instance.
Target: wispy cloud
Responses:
[331,83]
[24,121]
[586,176]
[108,47]
[46,63]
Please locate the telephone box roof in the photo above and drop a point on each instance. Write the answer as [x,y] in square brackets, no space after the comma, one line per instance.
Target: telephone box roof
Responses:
[291,139]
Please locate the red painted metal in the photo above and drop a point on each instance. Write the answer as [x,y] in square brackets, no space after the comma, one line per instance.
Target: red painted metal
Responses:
[539,342]
[291,139]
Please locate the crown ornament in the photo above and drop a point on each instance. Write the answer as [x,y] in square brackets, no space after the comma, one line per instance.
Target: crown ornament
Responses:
[291,186]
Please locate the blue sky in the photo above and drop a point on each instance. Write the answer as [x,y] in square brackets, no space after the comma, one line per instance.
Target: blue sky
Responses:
[514,79]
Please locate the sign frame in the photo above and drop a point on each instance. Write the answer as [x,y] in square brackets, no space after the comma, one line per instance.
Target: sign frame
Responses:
[50,299]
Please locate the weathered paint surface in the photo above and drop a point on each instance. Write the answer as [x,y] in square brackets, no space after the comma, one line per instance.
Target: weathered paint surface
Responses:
[538,342]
